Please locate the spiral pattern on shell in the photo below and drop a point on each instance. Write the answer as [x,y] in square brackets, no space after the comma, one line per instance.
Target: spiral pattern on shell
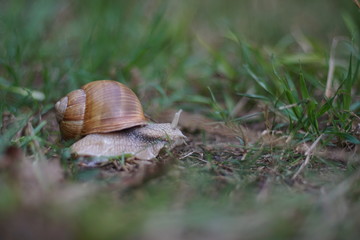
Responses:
[98,107]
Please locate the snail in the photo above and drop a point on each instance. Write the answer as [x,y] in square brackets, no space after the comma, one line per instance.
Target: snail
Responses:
[107,118]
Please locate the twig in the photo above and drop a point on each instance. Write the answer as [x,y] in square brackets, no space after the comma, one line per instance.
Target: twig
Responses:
[308,155]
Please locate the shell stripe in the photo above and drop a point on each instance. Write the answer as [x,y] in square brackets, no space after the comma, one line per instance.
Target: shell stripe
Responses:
[111,106]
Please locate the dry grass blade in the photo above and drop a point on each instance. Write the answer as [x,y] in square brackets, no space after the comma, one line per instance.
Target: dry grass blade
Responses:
[301,39]
[308,155]
[357,3]
[332,64]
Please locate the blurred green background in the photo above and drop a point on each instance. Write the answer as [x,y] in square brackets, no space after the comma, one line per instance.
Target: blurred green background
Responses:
[180,48]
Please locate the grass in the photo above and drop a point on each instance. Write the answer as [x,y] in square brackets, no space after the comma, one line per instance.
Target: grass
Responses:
[274,154]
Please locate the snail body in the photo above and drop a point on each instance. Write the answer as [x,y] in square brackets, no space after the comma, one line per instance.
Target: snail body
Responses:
[110,119]
[141,142]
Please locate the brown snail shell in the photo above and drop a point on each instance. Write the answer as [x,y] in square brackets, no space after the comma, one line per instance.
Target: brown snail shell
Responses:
[98,107]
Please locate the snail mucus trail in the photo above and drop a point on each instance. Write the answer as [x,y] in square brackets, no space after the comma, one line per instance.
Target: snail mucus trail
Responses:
[108,119]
